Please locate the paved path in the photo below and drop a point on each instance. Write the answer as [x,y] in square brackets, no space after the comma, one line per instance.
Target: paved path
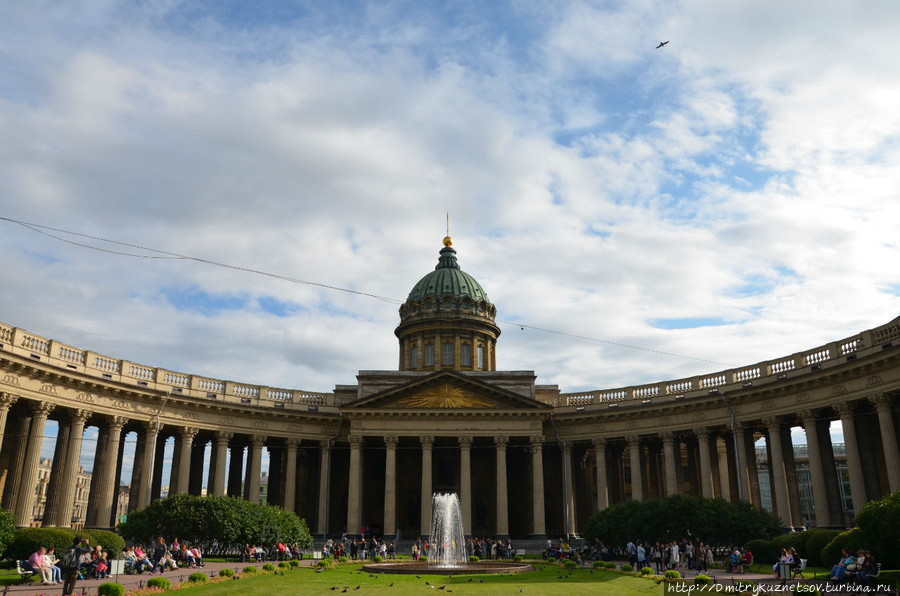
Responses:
[89,586]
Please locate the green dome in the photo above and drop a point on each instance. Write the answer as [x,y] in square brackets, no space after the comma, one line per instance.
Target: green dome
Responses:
[448,279]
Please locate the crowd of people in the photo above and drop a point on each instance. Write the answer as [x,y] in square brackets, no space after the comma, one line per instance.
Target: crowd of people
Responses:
[162,556]
[862,564]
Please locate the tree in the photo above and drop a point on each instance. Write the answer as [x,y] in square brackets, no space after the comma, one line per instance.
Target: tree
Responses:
[218,524]
[7,529]
[714,521]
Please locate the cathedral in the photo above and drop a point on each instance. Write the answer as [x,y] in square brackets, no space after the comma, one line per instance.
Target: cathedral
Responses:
[528,461]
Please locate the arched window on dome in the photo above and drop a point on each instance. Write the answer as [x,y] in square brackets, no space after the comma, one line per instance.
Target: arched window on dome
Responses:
[480,357]
[429,354]
[414,358]
[465,355]
[447,354]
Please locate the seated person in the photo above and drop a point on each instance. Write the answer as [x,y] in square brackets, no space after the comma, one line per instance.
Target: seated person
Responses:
[737,561]
[197,555]
[51,561]
[866,567]
[142,561]
[102,569]
[837,572]
[36,562]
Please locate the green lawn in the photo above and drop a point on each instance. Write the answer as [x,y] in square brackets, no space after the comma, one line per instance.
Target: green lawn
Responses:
[547,580]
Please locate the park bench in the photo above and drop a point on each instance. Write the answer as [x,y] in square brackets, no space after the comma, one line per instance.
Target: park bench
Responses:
[25,571]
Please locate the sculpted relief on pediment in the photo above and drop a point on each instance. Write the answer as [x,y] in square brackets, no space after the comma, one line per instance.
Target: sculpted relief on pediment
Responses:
[446,396]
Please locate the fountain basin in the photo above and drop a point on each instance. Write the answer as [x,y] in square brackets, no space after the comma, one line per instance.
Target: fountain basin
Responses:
[479,568]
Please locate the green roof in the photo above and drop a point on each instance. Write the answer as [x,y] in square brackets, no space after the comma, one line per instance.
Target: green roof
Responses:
[448,279]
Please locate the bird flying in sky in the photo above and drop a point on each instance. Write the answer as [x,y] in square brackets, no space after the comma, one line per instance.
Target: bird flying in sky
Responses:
[661,44]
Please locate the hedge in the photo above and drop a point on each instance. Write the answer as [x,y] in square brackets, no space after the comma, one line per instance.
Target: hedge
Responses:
[853,540]
[110,589]
[159,582]
[198,577]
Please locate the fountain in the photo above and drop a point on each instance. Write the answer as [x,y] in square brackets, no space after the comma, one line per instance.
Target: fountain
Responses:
[447,547]
[448,542]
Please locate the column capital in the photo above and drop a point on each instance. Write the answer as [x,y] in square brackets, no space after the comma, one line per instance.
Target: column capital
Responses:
[188,432]
[599,443]
[224,436]
[843,409]
[667,436]
[325,445]
[152,426]
[391,441]
[427,442]
[356,441]
[537,440]
[772,422]
[738,430]
[117,422]
[257,440]
[80,415]
[7,399]
[42,409]
[881,401]
[465,442]
[633,441]
[806,416]
[501,442]
[291,442]
[701,433]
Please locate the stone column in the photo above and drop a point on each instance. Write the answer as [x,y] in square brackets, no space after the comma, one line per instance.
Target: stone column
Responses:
[26,497]
[19,440]
[6,400]
[220,456]
[184,460]
[465,481]
[70,469]
[195,474]
[537,488]
[502,501]
[236,471]
[254,467]
[390,487]
[816,470]
[741,462]
[290,477]
[323,486]
[637,480]
[353,492]
[425,520]
[109,485]
[668,439]
[882,403]
[854,462]
[56,481]
[159,453]
[779,479]
[706,486]
[570,490]
[602,478]
[146,473]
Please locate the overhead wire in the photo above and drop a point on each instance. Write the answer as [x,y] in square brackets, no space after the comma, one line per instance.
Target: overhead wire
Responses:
[163,254]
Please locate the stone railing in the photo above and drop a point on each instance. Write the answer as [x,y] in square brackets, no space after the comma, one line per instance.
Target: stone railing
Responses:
[54,353]
[807,362]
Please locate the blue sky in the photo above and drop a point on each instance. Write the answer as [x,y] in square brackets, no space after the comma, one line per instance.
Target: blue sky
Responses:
[730,198]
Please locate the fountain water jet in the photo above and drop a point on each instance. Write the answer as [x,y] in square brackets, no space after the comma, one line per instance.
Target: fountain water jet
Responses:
[448,541]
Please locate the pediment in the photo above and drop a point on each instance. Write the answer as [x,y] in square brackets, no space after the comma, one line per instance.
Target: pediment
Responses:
[447,390]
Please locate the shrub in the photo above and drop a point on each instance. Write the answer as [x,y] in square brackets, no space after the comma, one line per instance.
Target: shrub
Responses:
[159,582]
[110,589]
[878,522]
[817,540]
[609,564]
[672,574]
[599,564]
[294,563]
[851,539]
[268,567]
[646,571]
[473,559]
[250,570]
[702,580]
[568,564]
[198,577]
[27,540]
[226,572]
[283,565]
[627,568]
[518,559]
[7,530]
[378,558]
[111,542]
[423,559]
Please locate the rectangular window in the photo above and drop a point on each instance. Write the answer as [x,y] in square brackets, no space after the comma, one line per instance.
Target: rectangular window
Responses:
[429,354]
[465,356]
[480,357]
[414,358]
[447,354]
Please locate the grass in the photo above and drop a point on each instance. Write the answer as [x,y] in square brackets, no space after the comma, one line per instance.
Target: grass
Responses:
[545,580]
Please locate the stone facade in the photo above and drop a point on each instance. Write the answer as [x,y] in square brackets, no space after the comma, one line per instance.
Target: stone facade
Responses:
[527,460]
